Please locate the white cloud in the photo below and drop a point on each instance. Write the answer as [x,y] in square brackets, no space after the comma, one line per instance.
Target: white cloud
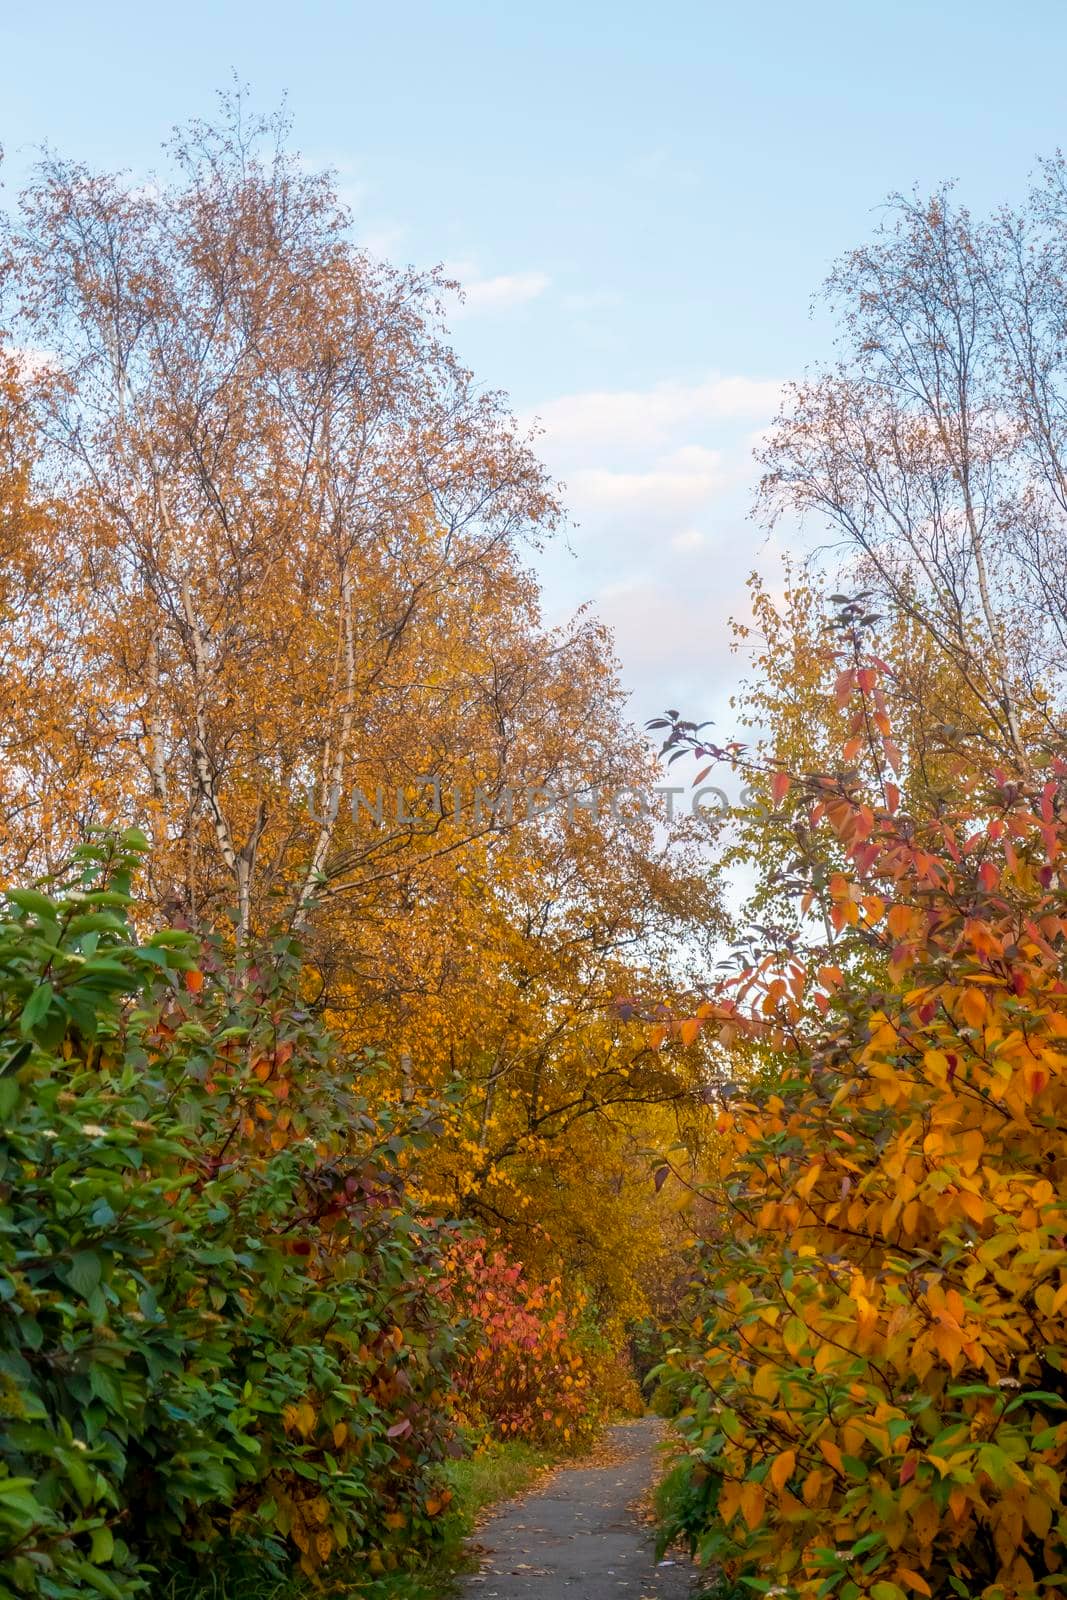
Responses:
[578,424]
[677,485]
[659,481]
[501,293]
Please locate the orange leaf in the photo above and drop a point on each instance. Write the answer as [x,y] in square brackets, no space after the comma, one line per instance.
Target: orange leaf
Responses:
[974,1007]
[689,1029]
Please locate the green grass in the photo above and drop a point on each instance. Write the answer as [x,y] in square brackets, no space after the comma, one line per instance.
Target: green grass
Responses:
[497,1473]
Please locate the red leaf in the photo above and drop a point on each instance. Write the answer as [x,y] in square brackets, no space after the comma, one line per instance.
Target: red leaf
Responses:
[988,876]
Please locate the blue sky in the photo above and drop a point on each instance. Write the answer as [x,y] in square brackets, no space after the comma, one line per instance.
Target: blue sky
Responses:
[641,201]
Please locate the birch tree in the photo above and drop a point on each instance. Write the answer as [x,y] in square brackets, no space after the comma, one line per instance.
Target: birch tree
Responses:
[933,453]
[271,466]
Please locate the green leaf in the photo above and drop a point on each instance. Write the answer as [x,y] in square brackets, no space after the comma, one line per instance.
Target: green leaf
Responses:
[84,1273]
[103,1545]
[18,1057]
[36,1008]
[1044,1396]
[173,939]
[30,900]
[98,1580]
[95,922]
[105,1386]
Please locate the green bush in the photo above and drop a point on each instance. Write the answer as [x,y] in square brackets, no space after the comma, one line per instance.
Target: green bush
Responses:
[218,1324]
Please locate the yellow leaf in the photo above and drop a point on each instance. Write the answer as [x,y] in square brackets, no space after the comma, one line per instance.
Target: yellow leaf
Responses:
[765,1382]
[974,1006]
[729,1500]
[1038,1514]
[782,1469]
[808,1181]
[926,1520]
[752,1502]
[813,1486]
[794,1336]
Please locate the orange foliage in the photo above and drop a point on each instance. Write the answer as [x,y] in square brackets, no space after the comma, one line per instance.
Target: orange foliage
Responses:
[875,1383]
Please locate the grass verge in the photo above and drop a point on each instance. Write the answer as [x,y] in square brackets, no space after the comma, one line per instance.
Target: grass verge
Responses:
[498,1472]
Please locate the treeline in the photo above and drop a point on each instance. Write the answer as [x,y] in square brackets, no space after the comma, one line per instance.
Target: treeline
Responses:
[325,1136]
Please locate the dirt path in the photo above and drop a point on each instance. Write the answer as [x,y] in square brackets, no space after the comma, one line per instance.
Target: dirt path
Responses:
[581,1533]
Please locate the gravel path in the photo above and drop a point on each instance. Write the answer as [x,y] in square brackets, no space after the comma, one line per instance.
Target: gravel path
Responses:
[581,1533]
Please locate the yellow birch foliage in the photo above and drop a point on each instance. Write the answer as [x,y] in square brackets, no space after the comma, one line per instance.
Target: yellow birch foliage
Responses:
[281,593]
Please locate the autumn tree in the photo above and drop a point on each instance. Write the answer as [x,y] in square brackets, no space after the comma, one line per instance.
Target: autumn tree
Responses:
[285,537]
[871,1373]
[271,465]
[40,690]
[932,456]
